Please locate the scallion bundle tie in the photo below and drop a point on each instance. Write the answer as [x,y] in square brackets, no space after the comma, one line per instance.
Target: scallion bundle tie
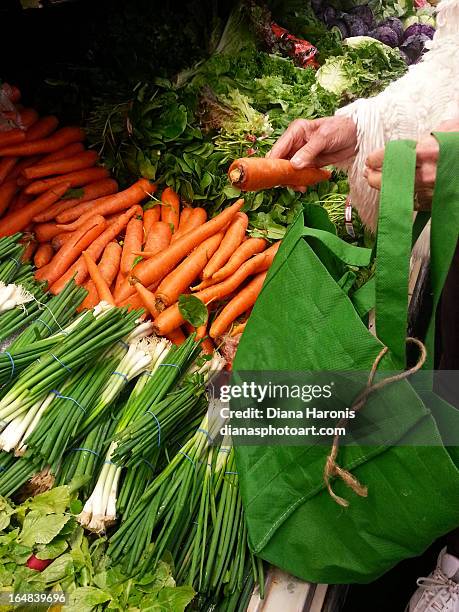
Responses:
[10,357]
[187,456]
[62,364]
[18,263]
[171,365]
[45,324]
[157,423]
[124,344]
[152,467]
[235,473]
[67,397]
[84,450]
[122,375]
[205,432]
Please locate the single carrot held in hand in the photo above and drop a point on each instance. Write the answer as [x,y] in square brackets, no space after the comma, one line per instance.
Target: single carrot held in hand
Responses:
[88,192]
[180,279]
[78,269]
[56,141]
[239,304]
[42,128]
[43,255]
[7,192]
[108,205]
[150,216]
[232,239]
[132,242]
[155,268]
[170,208]
[256,173]
[158,238]
[71,250]
[18,220]
[75,179]
[99,281]
[250,247]
[108,267]
[83,160]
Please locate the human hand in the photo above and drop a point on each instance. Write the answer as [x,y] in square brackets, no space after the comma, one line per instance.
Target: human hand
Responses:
[317,143]
[426,166]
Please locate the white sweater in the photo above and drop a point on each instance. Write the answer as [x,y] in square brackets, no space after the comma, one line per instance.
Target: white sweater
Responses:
[409,108]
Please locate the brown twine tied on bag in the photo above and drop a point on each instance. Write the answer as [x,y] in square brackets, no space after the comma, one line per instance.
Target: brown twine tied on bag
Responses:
[332,469]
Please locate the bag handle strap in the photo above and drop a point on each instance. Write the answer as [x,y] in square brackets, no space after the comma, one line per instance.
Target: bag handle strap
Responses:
[395,236]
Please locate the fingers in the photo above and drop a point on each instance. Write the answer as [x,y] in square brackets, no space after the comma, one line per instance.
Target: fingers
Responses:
[374,178]
[375,159]
[294,137]
[307,155]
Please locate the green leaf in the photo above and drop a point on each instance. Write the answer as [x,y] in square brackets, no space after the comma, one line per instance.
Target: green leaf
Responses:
[54,549]
[76,506]
[59,569]
[53,501]
[192,310]
[231,192]
[70,194]
[86,598]
[39,529]
[5,513]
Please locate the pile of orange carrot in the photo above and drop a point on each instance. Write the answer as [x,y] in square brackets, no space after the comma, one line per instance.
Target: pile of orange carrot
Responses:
[123,247]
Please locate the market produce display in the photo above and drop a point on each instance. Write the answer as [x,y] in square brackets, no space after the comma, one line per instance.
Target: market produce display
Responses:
[132,250]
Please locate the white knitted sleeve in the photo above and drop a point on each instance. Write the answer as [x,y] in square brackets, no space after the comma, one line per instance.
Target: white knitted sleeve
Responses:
[409,108]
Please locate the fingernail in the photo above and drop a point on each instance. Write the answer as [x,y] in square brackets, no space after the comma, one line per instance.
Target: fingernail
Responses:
[297,161]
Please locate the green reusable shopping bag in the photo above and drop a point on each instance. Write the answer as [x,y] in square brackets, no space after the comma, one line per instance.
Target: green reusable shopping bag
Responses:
[304,320]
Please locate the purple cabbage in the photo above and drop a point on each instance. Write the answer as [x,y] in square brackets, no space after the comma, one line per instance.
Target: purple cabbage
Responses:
[329,15]
[419,28]
[365,13]
[396,25]
[386,35]
[341,26]
[414,47]
[355,25]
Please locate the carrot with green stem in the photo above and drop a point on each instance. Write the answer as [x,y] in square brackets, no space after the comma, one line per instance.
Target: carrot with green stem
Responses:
[56,141]
[170,208]
[132,242]
[7,192]
[171,318]
[92,191]
[158,238]
[232,239]
[78,178]
[42,128]
[103,290]
[43,255]
[18,220]
[257,173]
[157,267]
[107,205]
[180,279]
[80,161]
[71,250]
[247,249]
[111,231]
[108,267]
[239,304]
[150,216]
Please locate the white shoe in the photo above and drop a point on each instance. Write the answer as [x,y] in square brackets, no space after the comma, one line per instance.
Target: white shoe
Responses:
[438,592]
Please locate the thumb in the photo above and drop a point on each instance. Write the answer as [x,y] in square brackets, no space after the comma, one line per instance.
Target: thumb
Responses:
[307,154]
